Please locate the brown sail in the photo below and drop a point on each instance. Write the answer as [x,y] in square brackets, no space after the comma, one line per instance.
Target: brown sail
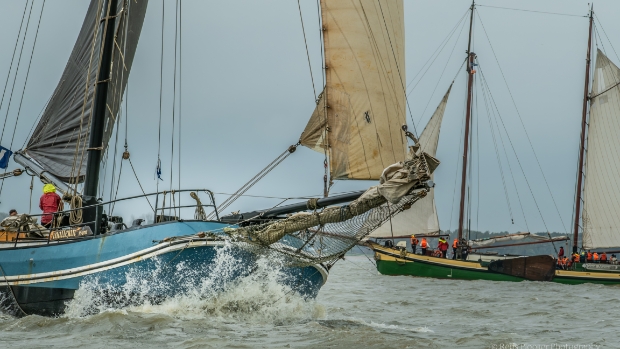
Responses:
[535,268]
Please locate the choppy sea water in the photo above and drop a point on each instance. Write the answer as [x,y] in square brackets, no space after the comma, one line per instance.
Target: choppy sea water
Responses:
[357,308]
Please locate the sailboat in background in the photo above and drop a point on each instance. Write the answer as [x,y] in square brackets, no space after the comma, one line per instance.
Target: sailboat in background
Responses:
[356,125]
[424,223]
[600,196]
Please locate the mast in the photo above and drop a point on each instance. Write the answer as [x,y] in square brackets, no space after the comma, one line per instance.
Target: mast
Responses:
[470,81]
[583,136]
[95,145]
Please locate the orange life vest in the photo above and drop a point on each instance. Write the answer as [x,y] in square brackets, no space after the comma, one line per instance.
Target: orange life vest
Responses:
[455,243]
[414,241]
[603,256]
[560,261]
[589,256]
[424,244]
[595,256]
[575,258]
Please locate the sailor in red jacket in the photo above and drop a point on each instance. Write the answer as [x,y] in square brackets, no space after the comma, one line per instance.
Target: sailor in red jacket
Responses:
[49,203]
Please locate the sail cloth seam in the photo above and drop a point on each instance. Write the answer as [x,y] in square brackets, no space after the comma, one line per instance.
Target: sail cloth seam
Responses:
[92,104]
[389,81]
[365,89]
[400,75]
[85,100]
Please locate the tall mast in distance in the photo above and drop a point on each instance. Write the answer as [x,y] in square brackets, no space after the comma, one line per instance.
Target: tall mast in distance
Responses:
[470,81]
[583,136]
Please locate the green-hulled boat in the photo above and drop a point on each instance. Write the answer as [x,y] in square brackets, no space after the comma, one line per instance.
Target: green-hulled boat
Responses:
[600,196]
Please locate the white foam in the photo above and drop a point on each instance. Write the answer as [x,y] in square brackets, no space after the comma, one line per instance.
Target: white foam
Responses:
[260,297]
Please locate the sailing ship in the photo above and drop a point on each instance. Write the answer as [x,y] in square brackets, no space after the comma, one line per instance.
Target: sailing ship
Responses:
[357,124]
[598,222]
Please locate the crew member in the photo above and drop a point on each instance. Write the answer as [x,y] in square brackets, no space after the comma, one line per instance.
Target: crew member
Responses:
[414,243]
[423,246]
[589,257]
[567,263]
[614,260]
[560,263]
[443,247]
[13,212]
[49,203]
[455,244]
[576,258]
[561,253]
[595,257]
[603,257]
[582,257]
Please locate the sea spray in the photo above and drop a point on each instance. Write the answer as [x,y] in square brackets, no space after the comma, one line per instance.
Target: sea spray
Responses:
[229,287]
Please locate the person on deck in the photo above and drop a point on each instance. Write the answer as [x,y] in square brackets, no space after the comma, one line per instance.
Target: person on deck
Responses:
[567,262]
[424,246]
[603,257]
[13,212]
[595,258]
[589,257]
[561,253]
[614,260]
[49,203]
[443,247]
[455,244]
[560,264]
[414,243]
[576,258]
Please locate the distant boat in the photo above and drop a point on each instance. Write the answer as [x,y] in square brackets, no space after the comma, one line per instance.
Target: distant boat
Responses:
[600,224]
[356,125]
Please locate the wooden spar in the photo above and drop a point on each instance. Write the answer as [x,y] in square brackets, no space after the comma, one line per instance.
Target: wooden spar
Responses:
[583,138]
[470,81]
[409,236]
[521,243]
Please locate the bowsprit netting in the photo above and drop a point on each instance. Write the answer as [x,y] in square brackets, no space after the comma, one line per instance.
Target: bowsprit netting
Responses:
[307,238]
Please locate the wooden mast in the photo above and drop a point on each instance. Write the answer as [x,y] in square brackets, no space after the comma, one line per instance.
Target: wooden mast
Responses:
[583,137]
[92,215]
[470,81]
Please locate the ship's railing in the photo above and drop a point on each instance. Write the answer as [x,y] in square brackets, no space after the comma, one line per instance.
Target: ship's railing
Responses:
[163,213]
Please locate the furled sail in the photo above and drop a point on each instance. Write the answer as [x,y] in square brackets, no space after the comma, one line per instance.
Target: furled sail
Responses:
[60,140]
[422,220]
[601,223]
[362,108]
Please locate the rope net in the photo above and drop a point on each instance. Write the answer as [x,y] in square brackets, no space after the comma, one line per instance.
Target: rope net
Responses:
[319,236]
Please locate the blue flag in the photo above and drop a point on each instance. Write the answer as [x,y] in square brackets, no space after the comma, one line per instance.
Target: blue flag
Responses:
[5,155]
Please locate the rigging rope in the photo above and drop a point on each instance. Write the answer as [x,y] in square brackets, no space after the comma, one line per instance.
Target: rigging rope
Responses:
[8,74]
[19,109]
[254,180]
[523,10]
[161,86]
[522,124]
[307,52]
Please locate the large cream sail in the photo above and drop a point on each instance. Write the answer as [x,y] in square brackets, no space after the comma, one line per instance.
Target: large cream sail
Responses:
[362,107]
[600,219]
[423,219]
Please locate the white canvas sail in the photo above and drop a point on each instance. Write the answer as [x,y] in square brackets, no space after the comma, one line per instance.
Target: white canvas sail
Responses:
[600,219]
[423,219]
[362,107]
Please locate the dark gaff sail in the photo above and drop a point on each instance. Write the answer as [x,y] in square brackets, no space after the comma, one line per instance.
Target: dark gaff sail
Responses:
[60,141]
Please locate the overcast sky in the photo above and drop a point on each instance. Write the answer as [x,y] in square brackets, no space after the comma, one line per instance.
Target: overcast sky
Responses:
[246,95]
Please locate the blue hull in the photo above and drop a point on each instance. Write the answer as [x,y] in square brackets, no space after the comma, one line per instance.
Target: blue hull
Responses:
[168,258]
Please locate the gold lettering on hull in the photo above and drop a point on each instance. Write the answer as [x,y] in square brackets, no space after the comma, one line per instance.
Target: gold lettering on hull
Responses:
[70,233]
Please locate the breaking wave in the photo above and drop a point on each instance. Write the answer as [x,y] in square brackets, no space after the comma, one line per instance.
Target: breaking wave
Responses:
[226,288]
